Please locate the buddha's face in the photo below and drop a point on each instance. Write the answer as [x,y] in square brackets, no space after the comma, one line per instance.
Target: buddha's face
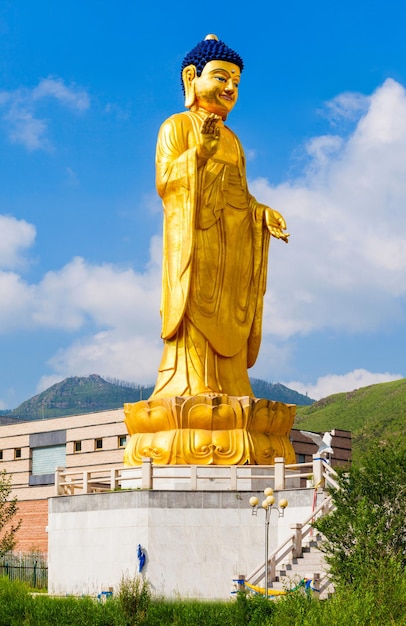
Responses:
[216,89]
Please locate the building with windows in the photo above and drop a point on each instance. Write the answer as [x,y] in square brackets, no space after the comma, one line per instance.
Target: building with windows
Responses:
[30,451]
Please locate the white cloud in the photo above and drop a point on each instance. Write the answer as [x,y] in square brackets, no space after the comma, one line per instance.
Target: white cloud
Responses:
[16,299]
[322,149]
[345,263]
[16,236]
[24,127]
[106,294]
[16,295]
[26,130]
[72,96]
[331,384]
[116,308]
[348,106]
[81,293]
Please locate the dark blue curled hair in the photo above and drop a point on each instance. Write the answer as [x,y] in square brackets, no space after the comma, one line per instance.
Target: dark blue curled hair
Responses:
[211,50]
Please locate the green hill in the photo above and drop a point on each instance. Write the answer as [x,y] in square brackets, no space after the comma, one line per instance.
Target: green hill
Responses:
[374,413]
[90,394]
[77,395]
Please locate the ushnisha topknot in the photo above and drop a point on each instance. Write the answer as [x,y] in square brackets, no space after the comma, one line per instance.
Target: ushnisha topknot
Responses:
[211,49]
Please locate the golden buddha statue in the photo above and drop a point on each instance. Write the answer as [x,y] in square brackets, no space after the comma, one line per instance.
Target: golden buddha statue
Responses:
[215,255]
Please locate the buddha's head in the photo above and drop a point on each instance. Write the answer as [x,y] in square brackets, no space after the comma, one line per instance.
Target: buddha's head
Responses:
[211,75]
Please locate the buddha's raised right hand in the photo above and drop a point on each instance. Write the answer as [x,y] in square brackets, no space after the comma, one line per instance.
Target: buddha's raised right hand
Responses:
[209,137]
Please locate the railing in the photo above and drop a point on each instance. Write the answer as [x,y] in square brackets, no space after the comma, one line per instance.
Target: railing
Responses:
[196,477]
[329,477]
[71,482]
[292,546]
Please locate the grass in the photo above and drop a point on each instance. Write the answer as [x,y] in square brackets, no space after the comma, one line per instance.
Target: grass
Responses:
[133,606]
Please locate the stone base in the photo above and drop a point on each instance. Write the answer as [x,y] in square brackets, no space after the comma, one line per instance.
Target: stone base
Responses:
[209,430]
[196,542]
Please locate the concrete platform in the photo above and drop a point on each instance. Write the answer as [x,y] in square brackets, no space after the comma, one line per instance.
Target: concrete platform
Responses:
[196,542]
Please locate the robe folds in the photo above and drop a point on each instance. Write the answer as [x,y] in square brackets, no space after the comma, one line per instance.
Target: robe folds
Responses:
[215,251]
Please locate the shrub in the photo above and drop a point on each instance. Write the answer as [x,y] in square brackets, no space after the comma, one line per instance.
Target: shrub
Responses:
[366,531]
[8,510]
[134,598]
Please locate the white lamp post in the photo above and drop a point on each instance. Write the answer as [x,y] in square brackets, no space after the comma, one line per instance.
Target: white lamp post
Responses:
[267,505]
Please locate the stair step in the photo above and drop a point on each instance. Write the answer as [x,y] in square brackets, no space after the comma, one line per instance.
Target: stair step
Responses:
[310,556]
[309,563]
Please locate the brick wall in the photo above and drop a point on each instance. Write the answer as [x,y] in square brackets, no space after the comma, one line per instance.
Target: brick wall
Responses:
[32,534]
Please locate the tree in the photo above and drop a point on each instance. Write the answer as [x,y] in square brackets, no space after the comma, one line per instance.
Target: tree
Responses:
[8,510]
[365,535]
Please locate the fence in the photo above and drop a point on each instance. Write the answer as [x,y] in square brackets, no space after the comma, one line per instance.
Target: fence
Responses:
[31,569]
[196,477]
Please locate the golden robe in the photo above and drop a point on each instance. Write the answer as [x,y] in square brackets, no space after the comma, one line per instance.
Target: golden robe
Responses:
[215,249]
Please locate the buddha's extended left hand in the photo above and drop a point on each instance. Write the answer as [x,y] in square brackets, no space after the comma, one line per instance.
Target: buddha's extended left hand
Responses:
[276,224]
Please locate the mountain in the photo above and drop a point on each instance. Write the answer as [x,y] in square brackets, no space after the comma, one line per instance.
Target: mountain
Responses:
[77,395]
[374,413]
[278,392]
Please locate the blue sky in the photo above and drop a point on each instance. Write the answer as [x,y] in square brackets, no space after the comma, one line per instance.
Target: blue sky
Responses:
[84,88]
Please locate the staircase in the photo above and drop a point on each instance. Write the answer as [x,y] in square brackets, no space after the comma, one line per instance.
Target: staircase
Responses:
[309,565]
[299,556]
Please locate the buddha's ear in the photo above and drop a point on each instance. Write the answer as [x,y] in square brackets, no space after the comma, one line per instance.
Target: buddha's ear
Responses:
[189,75]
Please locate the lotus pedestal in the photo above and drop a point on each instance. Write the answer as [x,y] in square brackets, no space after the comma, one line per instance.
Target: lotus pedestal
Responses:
[209,429]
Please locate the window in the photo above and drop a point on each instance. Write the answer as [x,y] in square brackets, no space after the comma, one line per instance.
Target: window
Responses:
[1,455]
[98,444]
[77,446]
[45,460]
[17,453]
[47,452]
[301,458]
[122,440]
